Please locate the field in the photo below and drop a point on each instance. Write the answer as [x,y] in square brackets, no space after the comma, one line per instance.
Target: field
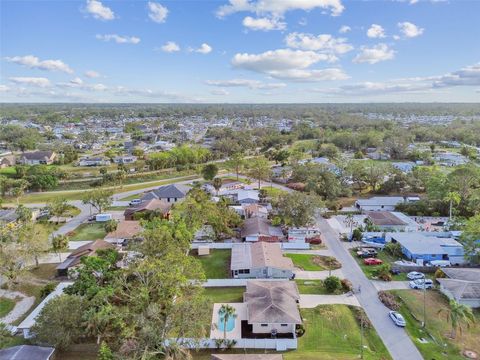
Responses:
[6,305]
[92,232]
[217,264]
[440,345]
[314,262]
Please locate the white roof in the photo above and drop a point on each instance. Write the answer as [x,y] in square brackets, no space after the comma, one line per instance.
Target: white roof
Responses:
[381,200]
[418,243]
[30,319]
[247,194]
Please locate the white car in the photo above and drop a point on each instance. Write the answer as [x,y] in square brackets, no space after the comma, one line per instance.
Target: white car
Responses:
[421,283]
[397,318]
[414,275]
[135,202]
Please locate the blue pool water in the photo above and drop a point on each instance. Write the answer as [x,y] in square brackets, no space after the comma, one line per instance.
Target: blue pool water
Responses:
[230,323]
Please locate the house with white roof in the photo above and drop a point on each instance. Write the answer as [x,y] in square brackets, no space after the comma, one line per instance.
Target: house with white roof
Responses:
[383,203]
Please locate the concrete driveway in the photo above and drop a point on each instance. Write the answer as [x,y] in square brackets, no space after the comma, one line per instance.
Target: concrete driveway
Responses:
[390,285]
[317,275]
[311,301]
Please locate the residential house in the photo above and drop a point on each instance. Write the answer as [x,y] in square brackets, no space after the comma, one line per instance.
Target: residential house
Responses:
[228,185]
[38,158]
[73,260]
[247,197]
[94,161]
[404,167]
[7,161]
[383,203]
[462,285]
[125,231]
[170,193]
[423,248]
[391,221]
[27,352]
[125,159]
[259,229]
[260,260]
[450,159]
[304,234]
[156,206]
[8,216]
[282,173]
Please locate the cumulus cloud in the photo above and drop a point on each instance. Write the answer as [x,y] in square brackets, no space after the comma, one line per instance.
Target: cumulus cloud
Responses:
[99,11]
[344,29]
[76,81]
[92,74]
[376,31]
[157,12]
[170,47]
[305,75]
[278,7]
[467,76]
[34,62]
[263,23]
[119,39]
[33,81]
[203,49]
[410,30]
[323,43]
[375,54]
[252,84]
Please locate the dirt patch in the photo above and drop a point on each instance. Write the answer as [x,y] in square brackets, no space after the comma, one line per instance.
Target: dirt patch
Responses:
[328,262]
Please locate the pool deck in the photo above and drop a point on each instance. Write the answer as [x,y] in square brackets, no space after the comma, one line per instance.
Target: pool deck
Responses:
[236,332]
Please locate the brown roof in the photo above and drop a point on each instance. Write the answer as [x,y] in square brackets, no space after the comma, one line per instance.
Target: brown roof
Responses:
[384,218]
[272,302]
[247,357]
[125,230]
[89,249]
[254,226]
[39,155]
[269,255]
[149,205]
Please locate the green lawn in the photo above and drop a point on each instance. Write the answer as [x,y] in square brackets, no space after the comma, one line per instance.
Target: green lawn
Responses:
[225,294]
[44,271]
[92,232]
[314,262]
[441,346]
[217,264]
[315,287]
[6,305]
[272,192]
[369,270]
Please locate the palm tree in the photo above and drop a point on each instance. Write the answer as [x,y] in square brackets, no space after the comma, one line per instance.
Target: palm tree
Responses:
[454,198]
[217,184]
[349,221]
[226,312]
[456,314]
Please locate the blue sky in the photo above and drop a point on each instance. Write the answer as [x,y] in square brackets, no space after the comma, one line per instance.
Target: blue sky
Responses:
[239,51]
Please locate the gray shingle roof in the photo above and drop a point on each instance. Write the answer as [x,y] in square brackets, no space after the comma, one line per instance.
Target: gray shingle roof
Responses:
[27,352]
[170,191]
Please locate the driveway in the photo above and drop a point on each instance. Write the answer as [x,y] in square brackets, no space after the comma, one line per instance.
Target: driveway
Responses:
[390,285]
[317,275]
[23,304]
[311,301]
[395,339]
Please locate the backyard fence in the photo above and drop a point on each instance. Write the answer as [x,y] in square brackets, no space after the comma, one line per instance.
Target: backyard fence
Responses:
[271,344]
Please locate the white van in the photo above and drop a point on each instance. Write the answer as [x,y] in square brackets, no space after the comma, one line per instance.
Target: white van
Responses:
[103,217]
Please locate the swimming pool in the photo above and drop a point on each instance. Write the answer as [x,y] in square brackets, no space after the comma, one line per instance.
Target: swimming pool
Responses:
[230,323]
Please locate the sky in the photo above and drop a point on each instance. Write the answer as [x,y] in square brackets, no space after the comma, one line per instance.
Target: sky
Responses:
[240,51]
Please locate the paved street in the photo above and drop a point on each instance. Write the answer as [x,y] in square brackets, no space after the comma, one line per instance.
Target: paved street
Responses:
[395,339]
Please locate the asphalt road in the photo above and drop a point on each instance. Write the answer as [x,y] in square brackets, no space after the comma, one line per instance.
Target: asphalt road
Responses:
[395,338]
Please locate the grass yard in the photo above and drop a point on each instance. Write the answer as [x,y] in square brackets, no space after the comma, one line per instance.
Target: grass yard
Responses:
[225,294]
[443,347]
[273,192]
[116,208]
[6,305]
[217,264]
[369,270]
[315,287]
[314,262]
[92,232]
[44,271]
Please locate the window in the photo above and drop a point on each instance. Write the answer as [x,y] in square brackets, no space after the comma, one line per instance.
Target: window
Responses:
[247,271]
[263,325]
[283,325]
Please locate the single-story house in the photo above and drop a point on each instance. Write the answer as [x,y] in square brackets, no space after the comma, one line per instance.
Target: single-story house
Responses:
[126,159]
[170,193]
[272,307]
[38,157]
[303,234]
[404,167]
[462,284]
[247,357]
[126,230]
[228,185]
[29,321]
[7,161]
[450,159]
[419,246]
[27,352]
[383,203]
[247,197]
[148,206]
[94,161]
[73,259]
[282,173]
[258,229]
[391,221]
[247,211]
[260,260]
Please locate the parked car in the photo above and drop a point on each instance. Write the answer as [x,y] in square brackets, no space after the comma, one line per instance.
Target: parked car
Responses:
[413,275]
[397,318]
[367,253]
[421,283]
[135,202]
[372,261]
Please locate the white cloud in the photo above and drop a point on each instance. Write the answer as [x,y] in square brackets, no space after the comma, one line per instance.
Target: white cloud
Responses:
[220,92]
[76,81]
[252,84]
[92,74]
[411,2]
[119,39]
[33,81]
[99,11]
[344,29]
[203,49]
[302,75]
[375,54]
[467,76]
[157,12]
[376,31]
[4,88]
[170,47]
[410,30]
[278,7]
[323,43]
[34,62]
[263,23]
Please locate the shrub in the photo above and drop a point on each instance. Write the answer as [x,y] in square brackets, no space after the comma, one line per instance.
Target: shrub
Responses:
[383,272]
[47,289]
[110,226]
[346,285]
[300,330]
[332,283]
[394,249]
[361,317]
[104,353]
[439,274]
[389,300]
[357,235]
